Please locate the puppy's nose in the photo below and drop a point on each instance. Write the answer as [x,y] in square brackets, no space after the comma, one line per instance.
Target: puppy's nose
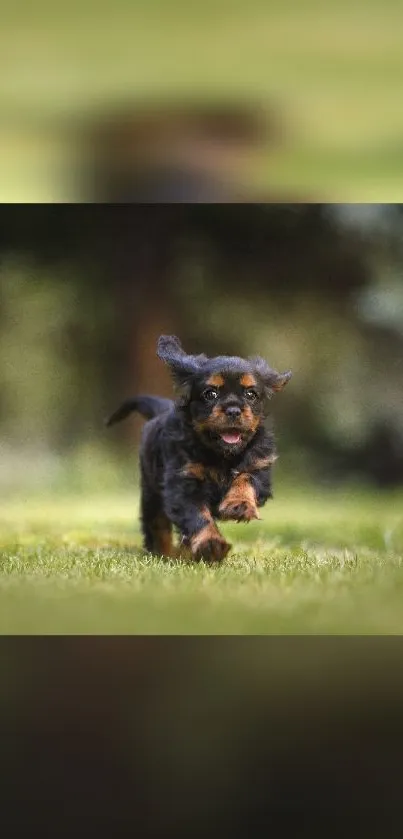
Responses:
[233,412]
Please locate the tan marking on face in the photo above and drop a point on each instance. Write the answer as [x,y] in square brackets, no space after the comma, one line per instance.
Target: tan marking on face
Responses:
[216,421]
[162,536]
[240,492]
[250,419]
[217,380]
[248,381]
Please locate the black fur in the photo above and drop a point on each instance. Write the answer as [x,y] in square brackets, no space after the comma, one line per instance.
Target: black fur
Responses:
[190,474]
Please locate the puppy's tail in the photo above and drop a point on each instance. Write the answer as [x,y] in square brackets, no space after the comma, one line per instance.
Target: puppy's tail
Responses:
[147,406]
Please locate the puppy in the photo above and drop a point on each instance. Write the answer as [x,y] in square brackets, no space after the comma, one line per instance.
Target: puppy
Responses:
[207,455]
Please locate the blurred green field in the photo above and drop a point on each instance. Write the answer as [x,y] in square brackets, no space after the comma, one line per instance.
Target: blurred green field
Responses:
[318,562]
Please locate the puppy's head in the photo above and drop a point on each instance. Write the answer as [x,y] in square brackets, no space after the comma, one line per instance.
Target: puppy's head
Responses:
[225,397]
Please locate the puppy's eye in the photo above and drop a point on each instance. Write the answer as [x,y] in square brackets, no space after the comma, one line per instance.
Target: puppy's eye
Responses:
[211,394]
[251,395]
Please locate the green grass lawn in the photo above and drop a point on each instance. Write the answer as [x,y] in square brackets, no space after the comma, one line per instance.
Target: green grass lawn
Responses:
[318,562]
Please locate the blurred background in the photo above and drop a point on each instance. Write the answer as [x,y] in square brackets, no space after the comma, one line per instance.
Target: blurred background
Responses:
[207,100]
[199,103]
[161,733]
[87,290]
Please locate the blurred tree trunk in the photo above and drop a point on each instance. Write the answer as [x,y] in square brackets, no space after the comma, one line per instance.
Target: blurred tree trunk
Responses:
[139,265]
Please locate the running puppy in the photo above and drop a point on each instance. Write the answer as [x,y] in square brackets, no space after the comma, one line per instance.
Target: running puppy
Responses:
[207,455]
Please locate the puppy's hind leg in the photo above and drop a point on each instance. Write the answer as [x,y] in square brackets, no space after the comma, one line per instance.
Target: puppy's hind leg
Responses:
[156,527]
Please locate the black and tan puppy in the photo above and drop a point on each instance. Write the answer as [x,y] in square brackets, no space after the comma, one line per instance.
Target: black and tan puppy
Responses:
[208,455]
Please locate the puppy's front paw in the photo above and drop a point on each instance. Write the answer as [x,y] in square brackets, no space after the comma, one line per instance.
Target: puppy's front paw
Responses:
[209,545]
[239,504]
[238,511]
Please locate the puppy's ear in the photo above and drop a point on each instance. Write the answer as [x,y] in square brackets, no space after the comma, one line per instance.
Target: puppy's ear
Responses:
[169,347]
[273,381]
[183,367]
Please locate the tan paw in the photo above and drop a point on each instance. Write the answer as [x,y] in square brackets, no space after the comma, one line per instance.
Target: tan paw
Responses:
[211,549]
[240,511]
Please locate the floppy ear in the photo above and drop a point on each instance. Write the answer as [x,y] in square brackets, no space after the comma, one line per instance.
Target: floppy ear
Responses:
[273,381]
[182,366]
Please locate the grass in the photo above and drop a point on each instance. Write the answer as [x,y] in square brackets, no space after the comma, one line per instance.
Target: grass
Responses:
[318,562]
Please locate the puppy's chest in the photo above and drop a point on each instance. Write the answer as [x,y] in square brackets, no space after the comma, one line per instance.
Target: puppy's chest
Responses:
[215,480]
[220,479]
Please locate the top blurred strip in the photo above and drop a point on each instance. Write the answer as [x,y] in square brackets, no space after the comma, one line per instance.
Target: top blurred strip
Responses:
[214,101]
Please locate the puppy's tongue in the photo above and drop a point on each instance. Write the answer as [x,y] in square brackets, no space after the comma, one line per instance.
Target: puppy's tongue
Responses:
[231,437]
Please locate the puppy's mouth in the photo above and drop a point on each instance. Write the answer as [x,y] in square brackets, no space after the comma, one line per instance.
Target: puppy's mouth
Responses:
[228,440]
[231,438]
